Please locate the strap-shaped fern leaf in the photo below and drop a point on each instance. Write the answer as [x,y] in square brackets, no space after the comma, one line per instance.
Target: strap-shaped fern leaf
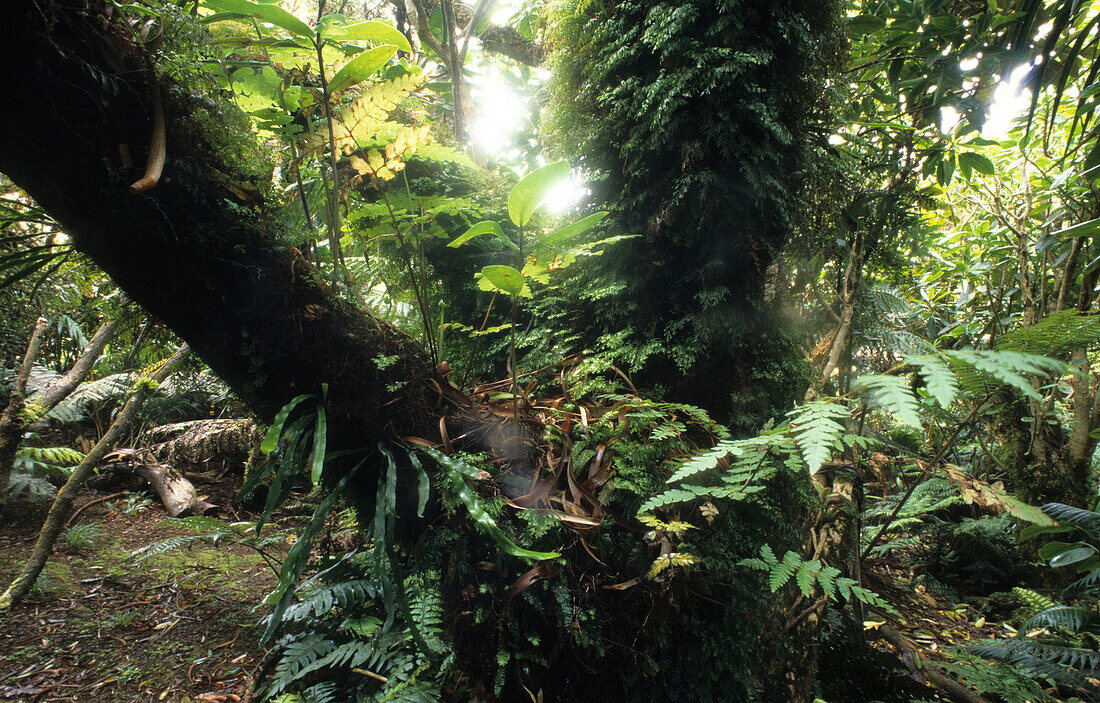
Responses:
[1065,617]
[1086,520]
[817,431]
[894,394]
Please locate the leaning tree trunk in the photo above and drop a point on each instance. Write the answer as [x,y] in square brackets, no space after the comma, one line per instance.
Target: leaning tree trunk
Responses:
[208,265]
[205,258]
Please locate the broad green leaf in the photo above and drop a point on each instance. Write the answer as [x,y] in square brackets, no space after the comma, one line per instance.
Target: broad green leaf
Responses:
[268,13]
[977,162]
[1072,556]
[372,31]
[865,24]
[486,227]
[574,229]
[1087,228]
[504,278]
[361,68]
[532,189]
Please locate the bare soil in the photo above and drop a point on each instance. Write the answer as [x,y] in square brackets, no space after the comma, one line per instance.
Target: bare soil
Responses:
[179,627]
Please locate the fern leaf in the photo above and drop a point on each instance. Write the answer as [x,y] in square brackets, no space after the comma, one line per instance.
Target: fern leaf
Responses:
[892,393]
[817,432]
[1068,515]
[1055,335]
[782,572]
[942,384]
[1065,617]
[1008,367]
[807,576]
[1034,602]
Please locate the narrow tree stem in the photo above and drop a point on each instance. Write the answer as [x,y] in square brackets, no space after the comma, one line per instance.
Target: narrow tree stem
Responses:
[63,503]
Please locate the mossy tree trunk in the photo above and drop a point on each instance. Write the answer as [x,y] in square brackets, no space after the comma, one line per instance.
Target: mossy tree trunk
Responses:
[213,268]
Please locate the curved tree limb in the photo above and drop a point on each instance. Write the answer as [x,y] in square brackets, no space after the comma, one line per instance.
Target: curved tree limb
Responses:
[12,421]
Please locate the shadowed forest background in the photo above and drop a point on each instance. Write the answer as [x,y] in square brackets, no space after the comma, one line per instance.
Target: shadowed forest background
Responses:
[557,350]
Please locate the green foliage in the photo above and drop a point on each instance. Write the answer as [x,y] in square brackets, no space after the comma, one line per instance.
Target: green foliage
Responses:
[812,576]
[817,431]
[996,679]
[1058,641]
[341,629]
[692,122]
[458,472]
[82,538]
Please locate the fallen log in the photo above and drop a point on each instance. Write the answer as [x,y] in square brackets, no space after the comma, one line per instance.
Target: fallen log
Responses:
[176,492]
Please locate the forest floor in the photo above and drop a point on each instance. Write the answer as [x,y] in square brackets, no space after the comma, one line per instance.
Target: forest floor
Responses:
[178,627]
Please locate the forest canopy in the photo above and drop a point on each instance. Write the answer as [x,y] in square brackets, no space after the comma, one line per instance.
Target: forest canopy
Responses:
[570,350]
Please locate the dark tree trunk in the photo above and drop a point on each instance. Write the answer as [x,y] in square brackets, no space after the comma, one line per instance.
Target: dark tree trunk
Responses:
[212,267]
[209,266]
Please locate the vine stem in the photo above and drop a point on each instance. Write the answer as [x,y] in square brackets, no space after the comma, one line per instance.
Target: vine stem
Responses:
[909,493]
[333,188]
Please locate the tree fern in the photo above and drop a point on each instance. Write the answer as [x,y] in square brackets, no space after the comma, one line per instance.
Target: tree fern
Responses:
[1056,335]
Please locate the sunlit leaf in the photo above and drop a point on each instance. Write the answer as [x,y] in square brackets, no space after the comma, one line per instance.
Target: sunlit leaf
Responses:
[268,13]
[532,189]
[504,278]
[361,68]
[372,31]
[574,229]
[486,227]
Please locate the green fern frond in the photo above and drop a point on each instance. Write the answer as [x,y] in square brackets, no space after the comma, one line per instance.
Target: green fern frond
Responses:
[1034,602]
[1054,660]
[941,382]
[345,595]
[1086,520]
[1001,368]
[1065,617]
[892,393]
[1089,583]
[57,456]
[297,656]
[817,432]
[1056,335]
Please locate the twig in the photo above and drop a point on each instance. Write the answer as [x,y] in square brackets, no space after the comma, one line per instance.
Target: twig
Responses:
[933,673]
[90,503]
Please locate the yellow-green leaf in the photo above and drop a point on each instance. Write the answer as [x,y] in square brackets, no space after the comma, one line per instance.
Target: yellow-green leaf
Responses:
[372,31]
[504,278]
[361,68]
[268,13]
[532,189]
